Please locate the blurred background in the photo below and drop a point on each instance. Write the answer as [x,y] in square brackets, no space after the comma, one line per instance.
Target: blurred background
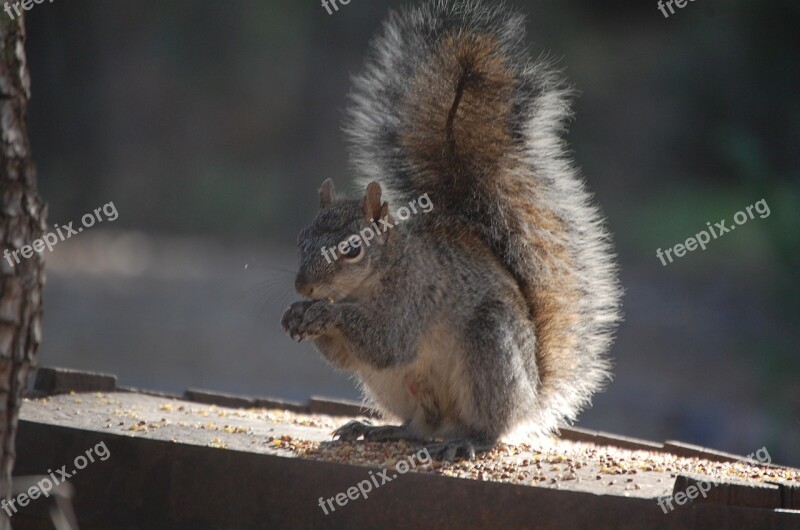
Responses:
[210,126]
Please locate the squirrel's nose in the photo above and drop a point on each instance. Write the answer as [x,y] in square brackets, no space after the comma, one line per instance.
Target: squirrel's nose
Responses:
[303,287]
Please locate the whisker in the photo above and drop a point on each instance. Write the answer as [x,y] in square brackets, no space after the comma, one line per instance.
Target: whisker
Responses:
[278,269]
[272,268]
[280,299]
[270,281]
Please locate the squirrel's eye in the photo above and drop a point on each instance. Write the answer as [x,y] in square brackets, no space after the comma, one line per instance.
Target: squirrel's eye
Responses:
[354,252]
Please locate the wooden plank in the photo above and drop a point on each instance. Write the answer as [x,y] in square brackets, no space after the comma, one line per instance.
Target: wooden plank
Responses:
[63,380]
[731,493]
[234,401]
[150,483]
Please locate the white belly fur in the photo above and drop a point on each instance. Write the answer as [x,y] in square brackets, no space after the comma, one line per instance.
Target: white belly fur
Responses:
[437,377]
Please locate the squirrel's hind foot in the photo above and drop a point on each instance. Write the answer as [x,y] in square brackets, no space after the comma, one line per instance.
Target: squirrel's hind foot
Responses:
[453,450]
[353,430]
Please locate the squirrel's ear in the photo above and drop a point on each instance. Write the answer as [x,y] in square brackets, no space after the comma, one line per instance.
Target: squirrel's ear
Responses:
[326,194]
[372,202]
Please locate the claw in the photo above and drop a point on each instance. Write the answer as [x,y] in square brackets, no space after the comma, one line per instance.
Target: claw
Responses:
[389,433]
[293,319]
[451,451]
[353,430]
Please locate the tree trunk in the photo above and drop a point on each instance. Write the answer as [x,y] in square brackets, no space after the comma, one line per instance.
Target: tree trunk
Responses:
[22,220]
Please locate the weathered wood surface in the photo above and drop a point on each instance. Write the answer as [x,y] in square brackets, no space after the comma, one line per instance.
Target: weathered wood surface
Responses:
[177,463]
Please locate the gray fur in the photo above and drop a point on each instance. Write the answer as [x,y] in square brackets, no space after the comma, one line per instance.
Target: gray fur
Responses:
[438,301]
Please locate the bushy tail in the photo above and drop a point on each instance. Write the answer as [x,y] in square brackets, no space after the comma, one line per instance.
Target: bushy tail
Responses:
[451,104]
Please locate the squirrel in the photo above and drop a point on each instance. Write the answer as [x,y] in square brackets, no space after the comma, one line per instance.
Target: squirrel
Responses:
[495,309]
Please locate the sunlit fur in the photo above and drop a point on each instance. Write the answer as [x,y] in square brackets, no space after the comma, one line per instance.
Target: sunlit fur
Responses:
[497,308]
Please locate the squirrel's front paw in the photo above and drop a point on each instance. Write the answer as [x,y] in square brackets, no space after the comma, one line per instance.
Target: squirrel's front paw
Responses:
[293,317]
[307,319]
[317,319]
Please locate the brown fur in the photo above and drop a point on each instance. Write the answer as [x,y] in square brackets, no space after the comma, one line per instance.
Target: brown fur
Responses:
[497,307]
[448,133]
[467,140]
